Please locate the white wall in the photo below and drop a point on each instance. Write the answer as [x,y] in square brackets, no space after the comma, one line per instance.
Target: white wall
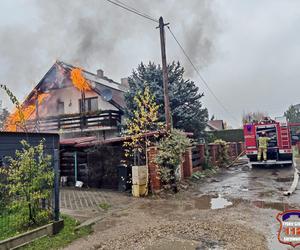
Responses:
[70,96]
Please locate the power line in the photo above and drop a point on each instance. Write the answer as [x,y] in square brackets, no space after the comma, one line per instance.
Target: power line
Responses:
[200,76]
[137,12]
[133,10]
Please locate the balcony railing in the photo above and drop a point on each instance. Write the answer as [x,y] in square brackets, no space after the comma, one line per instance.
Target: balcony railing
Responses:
[73,122]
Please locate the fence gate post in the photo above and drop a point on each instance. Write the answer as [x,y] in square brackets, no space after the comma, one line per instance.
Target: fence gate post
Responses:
[75,167]
[56,184]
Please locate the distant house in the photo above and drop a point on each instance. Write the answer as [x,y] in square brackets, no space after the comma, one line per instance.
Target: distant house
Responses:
[215,125]
[57,104]
[297,106]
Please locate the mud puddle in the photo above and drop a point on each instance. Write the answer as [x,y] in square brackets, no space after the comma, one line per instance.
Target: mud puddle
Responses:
[184,244]
[212,202]
[219,202]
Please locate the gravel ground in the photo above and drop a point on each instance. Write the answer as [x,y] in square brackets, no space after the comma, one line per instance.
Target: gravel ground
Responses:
[251,198]
[177,224]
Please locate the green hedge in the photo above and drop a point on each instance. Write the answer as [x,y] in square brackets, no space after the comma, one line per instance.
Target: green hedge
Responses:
[229,135]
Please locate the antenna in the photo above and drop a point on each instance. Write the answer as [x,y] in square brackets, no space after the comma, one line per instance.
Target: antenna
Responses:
[107,95]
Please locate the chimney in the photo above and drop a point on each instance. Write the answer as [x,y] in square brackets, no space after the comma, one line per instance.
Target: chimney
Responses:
[100,73]
[124,82]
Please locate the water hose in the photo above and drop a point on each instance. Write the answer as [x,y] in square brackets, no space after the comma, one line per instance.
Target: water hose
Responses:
[295,182]
[237,158]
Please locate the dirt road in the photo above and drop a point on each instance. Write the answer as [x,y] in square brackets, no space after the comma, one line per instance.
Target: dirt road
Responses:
[235,209]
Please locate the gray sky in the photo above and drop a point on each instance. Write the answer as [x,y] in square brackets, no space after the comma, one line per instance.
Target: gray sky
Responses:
[248,51]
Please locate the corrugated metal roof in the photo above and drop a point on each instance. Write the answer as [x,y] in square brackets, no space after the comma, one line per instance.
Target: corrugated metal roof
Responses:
[85,142]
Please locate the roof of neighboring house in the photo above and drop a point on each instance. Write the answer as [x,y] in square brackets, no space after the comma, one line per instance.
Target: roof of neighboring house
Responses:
[297,106]
[216,124]
[98,84]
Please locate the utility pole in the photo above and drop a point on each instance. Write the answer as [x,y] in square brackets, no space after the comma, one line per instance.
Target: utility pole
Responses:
[165,73]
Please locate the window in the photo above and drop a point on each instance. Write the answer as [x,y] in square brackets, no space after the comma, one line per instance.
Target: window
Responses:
[60,107]
[90,104]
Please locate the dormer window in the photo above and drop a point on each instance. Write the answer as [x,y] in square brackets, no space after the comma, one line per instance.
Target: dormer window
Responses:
[91,104]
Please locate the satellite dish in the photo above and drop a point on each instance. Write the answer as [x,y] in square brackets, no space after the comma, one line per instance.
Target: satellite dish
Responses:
[107,95]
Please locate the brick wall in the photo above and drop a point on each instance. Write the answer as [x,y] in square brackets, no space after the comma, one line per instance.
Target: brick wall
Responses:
[189,164]
[241,147]
[213,153]
[153,169]
[232,150]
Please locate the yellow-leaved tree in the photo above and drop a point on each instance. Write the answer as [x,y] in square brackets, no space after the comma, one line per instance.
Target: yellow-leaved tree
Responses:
[143,120]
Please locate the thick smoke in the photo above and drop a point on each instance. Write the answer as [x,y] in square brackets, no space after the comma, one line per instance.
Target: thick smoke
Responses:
[96,34]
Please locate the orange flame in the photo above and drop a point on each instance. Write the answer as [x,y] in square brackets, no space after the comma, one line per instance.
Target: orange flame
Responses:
[79,81]
[14,120]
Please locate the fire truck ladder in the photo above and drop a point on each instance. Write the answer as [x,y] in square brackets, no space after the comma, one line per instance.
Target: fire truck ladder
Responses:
[285,137]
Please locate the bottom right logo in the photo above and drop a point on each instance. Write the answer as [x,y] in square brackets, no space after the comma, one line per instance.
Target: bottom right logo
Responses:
[289,232]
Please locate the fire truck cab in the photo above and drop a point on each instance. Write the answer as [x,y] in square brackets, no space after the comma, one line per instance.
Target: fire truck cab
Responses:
[279,150]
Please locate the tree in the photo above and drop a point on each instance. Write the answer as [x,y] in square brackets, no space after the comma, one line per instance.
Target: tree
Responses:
[292,114]
[185,99]
[3,116]
[29,180]
[144,119]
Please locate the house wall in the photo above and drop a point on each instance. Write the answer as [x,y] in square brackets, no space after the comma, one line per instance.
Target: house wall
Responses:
[70,96]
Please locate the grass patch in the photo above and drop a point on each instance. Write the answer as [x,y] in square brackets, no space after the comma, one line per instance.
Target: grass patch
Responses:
[12,224]
[8,226]
[204,173]
[105,206]
[63,238]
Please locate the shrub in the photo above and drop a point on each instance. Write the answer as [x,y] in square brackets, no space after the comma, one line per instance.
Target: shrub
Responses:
[223,156]
[29,184]
[170,152]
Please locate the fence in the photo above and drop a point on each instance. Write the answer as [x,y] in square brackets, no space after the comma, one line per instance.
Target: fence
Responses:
[73,122]
[194,158]
[30,206]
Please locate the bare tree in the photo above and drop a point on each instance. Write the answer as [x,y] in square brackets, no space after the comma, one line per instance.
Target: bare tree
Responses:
[3,115]
[253,116]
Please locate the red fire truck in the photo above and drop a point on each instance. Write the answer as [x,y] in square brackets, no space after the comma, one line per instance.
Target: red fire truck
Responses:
[279,150]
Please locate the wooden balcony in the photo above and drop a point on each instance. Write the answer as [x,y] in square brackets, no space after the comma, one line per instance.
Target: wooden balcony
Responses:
[76,122]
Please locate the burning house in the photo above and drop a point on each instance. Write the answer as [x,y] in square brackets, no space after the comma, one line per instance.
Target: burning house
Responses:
[72,102]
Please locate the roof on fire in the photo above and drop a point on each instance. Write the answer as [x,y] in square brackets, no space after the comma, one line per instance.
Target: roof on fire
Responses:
[98,84]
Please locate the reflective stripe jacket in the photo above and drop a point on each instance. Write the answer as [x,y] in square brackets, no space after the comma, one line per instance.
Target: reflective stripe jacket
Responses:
[263,142]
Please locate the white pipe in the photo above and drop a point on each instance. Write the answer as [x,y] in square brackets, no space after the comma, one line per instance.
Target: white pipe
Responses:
[295,182]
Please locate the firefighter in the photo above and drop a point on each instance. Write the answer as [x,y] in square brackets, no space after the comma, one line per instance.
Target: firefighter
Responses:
[263,146]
